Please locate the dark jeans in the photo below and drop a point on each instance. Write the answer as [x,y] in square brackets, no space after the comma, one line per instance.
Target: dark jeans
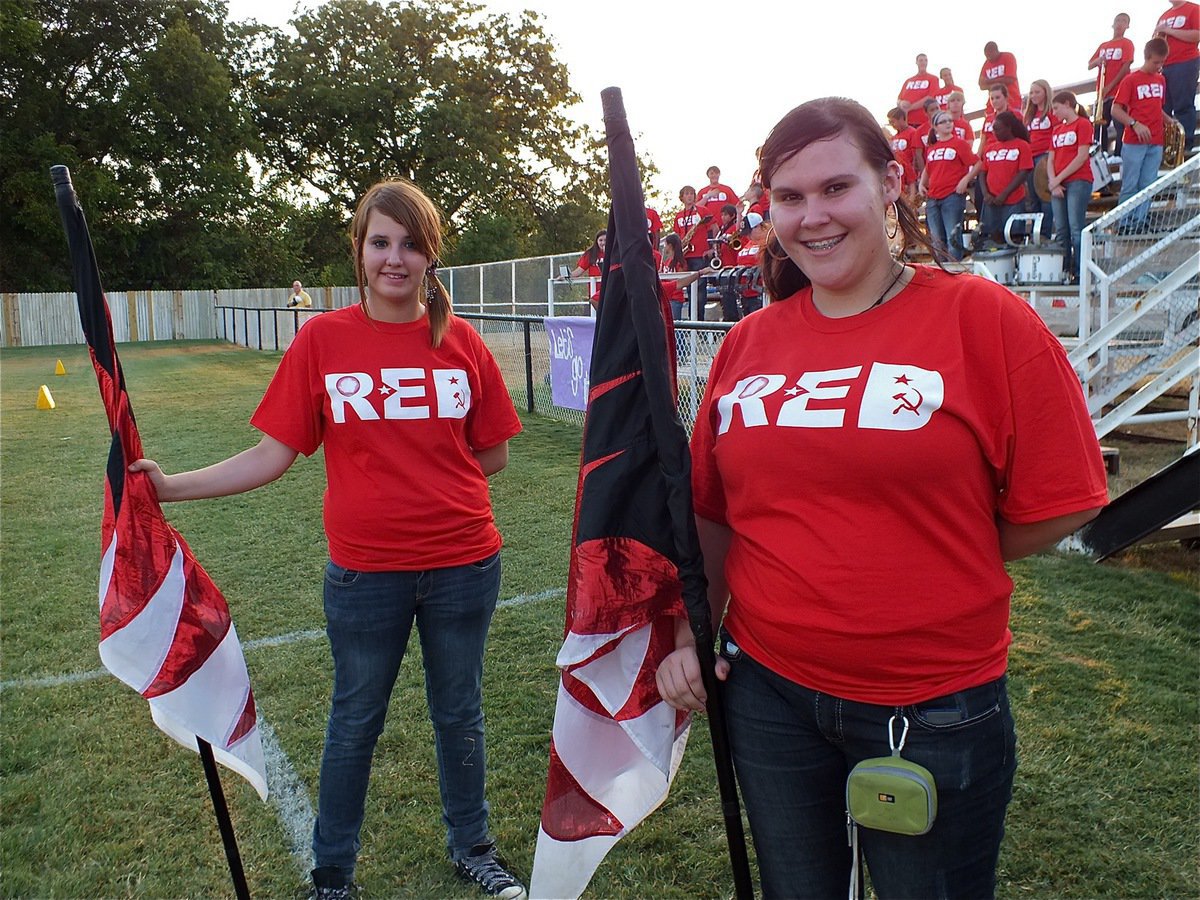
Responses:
[944,218]
[995,217]
[793,749]
[369,617]
[1182,79]
[1070,217]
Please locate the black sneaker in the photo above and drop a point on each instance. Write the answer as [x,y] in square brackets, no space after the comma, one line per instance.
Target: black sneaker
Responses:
[487,870]
[331,883]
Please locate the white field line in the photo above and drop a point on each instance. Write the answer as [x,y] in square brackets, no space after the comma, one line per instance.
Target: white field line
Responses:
[288,792]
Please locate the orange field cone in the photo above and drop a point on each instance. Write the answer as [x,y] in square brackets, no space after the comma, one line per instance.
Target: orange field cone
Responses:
[44,400]
[59,368]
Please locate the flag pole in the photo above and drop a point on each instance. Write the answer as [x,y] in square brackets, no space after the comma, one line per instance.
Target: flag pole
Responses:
[628,221]
[223,821]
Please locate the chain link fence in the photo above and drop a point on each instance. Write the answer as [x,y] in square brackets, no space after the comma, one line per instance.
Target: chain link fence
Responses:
[522,350]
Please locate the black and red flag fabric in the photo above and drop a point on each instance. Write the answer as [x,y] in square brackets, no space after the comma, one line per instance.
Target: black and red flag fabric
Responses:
[165,628]
[635,567]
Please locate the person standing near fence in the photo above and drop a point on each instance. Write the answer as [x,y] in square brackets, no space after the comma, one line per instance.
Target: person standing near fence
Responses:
[299,298]
[871,448]
[414,416]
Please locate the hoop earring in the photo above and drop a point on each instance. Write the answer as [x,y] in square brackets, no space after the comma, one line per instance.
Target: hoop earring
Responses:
[891,235]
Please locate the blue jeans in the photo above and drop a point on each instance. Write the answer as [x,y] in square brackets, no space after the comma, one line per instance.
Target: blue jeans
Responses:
[945,220]
[1070,215]
[1139,169]
[1035,204]
[793,749]
[995,217]
[369,616]
[1181,80]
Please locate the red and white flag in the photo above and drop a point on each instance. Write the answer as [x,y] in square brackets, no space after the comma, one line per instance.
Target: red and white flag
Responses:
[635,562]
[165,628]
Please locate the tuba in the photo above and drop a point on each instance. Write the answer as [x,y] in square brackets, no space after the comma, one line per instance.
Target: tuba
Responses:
[1173,141]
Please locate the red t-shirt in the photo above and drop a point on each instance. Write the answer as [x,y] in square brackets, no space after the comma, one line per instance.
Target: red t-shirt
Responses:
[1066,141]
[1143,95]
[684,220]
[947,162]
[762,205]
[943,94]
[653,222]
[748,256]
[1040,128]
[398,420]
[590,269]
[1186,16]
[963,129]
[1002,160]
[1004,65]
[1115,54]
[727,253]
[915,89]
[713,196]
[671,290]
[904,148]
[861,464]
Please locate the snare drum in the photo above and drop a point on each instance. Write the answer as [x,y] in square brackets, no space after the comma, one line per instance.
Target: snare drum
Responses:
[1040,265]
[1001,264]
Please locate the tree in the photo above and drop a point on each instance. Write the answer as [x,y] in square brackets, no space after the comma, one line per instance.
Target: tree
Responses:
[139,100]
[470,106]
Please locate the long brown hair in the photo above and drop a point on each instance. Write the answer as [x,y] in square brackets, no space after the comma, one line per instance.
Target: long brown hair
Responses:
[405,203]
[819,120]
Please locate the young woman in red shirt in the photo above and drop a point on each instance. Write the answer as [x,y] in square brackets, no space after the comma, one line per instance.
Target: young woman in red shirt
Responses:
[945,180]
[1069,172]
[1039,122]
[872,446]
[413,415]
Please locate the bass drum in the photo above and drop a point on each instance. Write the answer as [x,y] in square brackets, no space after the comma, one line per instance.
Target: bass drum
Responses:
[1040,265]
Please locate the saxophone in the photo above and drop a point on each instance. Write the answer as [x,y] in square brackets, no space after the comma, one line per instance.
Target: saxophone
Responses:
[1173,141]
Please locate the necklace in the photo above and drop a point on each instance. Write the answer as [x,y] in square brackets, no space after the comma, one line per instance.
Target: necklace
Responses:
[887,290]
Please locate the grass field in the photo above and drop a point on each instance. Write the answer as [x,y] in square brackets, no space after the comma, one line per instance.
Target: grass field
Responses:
[96,802]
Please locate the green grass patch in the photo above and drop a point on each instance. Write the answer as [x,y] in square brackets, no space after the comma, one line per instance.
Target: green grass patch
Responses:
[95,802]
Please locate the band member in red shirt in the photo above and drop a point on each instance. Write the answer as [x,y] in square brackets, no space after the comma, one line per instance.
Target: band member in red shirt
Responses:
[905,142]
[948,87]
[1139,107]
[714,195]
[1179,26]
[915,90]
[1039,122]
[1005,164]
[949,171]
[1113,58]
[1000,68]
[1070,175]
[955,101]
[691,224]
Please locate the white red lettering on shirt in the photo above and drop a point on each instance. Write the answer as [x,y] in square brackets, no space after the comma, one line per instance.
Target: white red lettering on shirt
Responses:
[1012,153]
[1065,139]
[894,398]
[942,153]
[1150,91]
[397,387]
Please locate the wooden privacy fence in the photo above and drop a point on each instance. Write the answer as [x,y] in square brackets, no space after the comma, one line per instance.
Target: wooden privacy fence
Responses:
[41,319]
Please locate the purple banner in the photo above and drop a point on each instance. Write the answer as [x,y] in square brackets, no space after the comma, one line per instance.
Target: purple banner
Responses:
[570,359]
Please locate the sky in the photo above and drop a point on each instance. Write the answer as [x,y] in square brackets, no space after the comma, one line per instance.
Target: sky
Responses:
[704,81]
